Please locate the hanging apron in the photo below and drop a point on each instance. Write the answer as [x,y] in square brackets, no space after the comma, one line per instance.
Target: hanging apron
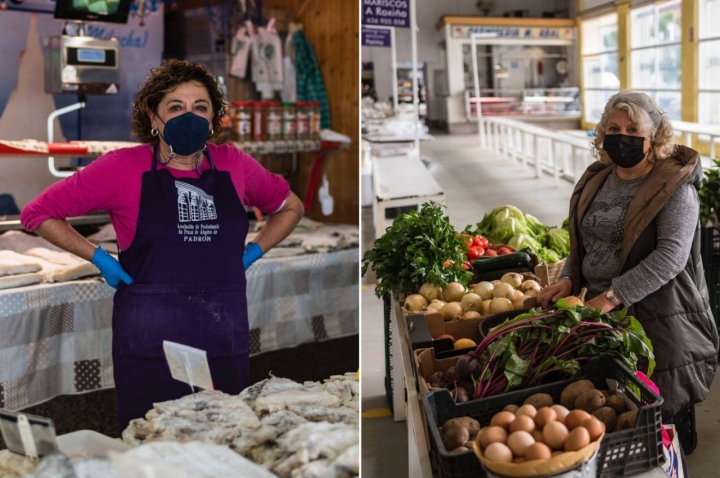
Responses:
[189,288]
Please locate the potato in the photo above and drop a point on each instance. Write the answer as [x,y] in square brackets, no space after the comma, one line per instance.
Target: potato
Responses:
[590,400]
[572,391]
[511,408]
[606,393]
[617,403]
[460,449]
[472,425]
[626,420]
[539,400]
[455,437]
[606,415]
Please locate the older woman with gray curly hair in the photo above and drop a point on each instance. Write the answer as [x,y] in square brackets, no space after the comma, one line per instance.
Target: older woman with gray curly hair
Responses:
[634,233]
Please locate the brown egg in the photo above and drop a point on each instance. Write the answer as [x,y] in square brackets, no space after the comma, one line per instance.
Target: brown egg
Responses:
[492,435]
[594,427]
[503,419]
[575,418]
[561,412]
[518,442]
[577,439]
[522,423]
[528,410]
[538,436]
[544,416]
[538,451]
[498,452]
[555,434]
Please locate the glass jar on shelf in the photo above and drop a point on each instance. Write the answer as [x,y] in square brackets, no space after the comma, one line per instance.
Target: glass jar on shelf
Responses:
[313,112]
[274,121]
[289,119]
[259,132]
[243,120]
[302,121]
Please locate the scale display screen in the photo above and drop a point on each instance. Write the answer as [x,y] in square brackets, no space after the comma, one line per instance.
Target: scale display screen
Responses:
[90,56]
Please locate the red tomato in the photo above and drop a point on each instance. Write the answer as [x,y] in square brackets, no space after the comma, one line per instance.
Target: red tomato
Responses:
[466,266]
[447,263]
[477,241]
[503,250]
[491,253]
[474,253]
[484,241]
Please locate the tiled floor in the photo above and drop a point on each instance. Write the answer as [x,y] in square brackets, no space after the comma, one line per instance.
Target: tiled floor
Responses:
[476,182]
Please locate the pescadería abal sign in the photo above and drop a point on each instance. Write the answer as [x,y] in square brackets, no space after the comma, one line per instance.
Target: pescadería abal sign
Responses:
[386,13]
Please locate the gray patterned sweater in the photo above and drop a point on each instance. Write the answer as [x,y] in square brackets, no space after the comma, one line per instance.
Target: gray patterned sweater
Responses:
[602,235]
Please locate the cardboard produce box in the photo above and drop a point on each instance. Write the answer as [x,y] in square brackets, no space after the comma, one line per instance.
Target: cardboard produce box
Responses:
[427,364]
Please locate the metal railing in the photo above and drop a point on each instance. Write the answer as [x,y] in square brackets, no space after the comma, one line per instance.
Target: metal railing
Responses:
[563,155]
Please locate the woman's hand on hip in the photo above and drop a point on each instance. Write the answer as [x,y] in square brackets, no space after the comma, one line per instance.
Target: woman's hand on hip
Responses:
[554,292]
[601,302]
[110,268]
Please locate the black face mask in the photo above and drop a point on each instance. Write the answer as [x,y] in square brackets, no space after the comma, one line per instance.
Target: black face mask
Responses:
[625,151]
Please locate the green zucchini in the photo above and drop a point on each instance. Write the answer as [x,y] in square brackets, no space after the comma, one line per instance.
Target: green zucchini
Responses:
[508,261]
[480,276]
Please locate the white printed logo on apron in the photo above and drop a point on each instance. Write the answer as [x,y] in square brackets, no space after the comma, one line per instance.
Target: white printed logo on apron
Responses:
[193,204]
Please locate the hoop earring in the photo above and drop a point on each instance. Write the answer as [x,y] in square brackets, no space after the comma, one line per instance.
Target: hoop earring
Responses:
[212,131]
[154,131]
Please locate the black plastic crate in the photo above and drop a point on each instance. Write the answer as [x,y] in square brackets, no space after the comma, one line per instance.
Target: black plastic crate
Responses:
[684,422]
[621,453]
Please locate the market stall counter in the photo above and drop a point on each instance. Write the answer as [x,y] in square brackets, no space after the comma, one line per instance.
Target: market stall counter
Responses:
[55,338]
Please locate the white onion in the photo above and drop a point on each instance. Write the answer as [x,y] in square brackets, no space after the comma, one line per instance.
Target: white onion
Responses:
[500,305]
[519,302]
[436,304]
[471,314]
[503,290]
[529,284]
[415,303]
[471,301]
[532,292]
[485,310]
[512,278]
[453,292]
[484,290]
[451,310]
[430,292]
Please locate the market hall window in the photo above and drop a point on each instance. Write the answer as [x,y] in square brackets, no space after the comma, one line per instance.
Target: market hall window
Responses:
[599,64]
[655,58]
[708,62]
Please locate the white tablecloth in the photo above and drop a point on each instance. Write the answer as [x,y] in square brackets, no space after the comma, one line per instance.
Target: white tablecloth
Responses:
[55,339]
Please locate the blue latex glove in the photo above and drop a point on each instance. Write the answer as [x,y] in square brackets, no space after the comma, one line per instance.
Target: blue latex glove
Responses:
[110,268]
[252,253]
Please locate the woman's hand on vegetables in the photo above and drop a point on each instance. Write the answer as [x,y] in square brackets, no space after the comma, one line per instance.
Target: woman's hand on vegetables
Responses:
[601,302]
[110,268]
[554,292]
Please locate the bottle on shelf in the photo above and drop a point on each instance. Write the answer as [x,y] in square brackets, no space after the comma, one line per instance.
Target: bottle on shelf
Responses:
[303,121]
[289,120]
[260,113]
[274,121]
[243,120]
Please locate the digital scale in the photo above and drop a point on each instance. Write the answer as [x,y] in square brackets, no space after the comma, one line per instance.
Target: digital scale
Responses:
[82,65]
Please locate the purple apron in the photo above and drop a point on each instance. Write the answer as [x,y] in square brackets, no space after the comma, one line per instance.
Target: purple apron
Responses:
[189,288]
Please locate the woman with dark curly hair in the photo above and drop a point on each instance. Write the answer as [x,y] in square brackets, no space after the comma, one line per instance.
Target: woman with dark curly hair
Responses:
[635,242]
[178,205]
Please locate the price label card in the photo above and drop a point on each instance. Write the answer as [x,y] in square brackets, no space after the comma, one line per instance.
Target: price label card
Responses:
[28,435]
[189,365]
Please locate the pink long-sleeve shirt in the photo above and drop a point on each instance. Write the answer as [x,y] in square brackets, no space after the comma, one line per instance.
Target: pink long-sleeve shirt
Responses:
[113,183]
